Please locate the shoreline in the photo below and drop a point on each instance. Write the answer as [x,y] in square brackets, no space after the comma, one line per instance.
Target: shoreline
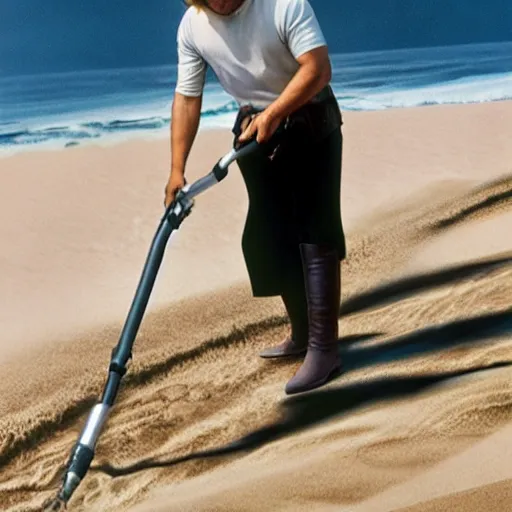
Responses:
[162,134]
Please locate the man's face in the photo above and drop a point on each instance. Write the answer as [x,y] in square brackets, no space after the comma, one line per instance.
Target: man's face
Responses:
[223,7]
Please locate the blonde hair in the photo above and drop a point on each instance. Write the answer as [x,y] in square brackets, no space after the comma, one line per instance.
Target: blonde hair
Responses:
[198,4]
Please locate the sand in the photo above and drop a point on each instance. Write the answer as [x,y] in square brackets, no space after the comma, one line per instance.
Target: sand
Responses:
[420,419]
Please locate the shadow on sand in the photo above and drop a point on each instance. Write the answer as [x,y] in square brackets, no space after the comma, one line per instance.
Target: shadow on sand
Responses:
[306,410]
[408,286]
[492,198]
[382,295]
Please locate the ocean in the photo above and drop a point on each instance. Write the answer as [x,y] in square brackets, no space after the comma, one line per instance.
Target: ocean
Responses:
[66,109]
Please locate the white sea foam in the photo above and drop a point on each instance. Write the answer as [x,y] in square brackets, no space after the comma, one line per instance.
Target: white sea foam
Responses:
[53,109]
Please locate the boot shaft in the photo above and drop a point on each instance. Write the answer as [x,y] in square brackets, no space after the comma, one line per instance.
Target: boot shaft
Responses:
[322,283]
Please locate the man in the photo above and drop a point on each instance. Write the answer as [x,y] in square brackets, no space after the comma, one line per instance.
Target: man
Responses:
[271,56]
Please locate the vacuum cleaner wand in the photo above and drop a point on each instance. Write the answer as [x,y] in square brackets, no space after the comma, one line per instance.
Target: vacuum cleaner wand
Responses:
[83,452]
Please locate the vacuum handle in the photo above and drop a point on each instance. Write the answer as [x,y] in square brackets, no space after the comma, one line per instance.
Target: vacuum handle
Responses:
[235,153]
[220,170]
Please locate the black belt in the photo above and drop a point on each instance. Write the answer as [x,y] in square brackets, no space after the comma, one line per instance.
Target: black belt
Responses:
[317,118]
[325,94]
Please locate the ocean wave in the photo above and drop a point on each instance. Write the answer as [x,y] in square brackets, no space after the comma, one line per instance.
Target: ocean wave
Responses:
[476,89]
[356,93]
[77,132]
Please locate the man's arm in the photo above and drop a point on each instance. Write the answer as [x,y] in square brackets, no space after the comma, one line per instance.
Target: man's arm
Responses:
[313,75]
[185,117]
[186,106]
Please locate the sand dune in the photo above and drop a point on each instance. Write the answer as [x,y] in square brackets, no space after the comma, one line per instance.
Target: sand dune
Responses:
[201,423]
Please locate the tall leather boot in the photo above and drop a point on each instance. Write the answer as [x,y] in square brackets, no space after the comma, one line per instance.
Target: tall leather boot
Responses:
[322,282]
[295,302]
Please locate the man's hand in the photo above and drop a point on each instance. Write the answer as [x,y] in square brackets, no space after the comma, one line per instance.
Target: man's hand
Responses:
[263,125]
[174,185]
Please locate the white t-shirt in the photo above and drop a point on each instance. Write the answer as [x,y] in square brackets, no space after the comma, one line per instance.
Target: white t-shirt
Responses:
[252,52]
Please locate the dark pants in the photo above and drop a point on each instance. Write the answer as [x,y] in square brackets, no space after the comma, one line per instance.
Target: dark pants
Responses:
[293,198]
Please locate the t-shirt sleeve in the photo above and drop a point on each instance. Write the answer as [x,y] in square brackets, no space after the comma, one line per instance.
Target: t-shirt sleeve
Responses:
[299,27]
[191,66]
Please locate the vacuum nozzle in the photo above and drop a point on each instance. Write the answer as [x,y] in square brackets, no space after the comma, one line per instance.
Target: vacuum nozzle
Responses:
[82,455]
[78,466]
[71,482]
[56,505]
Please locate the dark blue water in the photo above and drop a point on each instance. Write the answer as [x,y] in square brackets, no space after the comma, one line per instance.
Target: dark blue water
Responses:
[67,108]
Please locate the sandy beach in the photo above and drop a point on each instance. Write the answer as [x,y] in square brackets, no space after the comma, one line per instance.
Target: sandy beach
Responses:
[419,421]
